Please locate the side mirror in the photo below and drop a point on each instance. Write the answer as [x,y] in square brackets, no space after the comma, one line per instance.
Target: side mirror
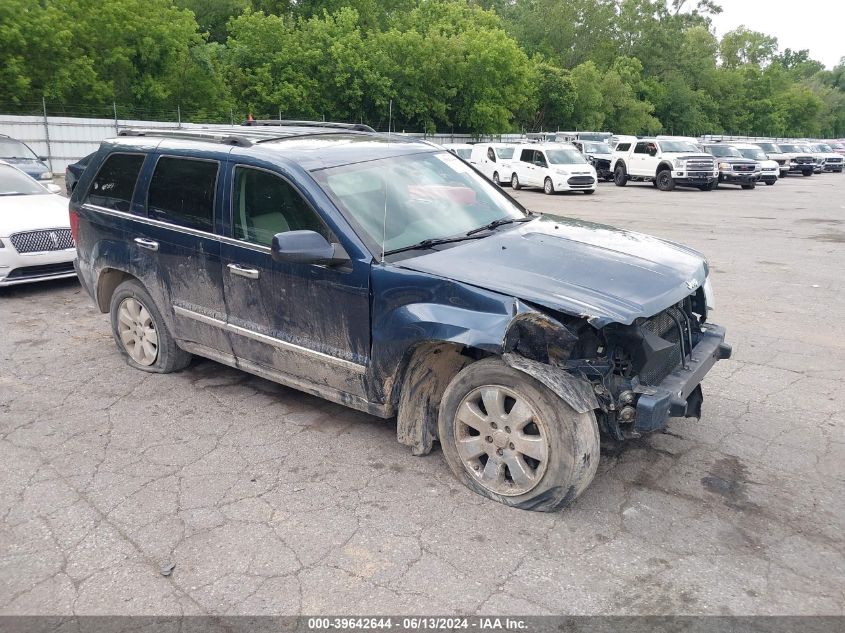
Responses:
[307,247]
[53,188]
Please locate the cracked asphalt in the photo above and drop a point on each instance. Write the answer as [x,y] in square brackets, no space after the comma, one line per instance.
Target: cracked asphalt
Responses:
[269,501]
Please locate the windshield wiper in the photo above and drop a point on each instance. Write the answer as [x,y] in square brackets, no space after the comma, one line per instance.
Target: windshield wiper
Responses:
[495,223]
[428,243]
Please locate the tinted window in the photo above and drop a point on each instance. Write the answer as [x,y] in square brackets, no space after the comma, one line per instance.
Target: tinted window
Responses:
[115,182]
[265,204]
[527,156]
[491,155]
[540,159]
[640,148]
[182,192]
[623,147]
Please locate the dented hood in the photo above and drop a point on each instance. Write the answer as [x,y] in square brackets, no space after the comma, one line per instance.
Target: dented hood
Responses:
[580,268]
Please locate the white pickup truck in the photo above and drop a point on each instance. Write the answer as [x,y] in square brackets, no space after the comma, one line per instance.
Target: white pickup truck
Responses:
[665,163]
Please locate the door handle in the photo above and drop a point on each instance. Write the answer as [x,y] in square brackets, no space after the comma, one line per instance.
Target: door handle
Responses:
[237,269]
[150,245]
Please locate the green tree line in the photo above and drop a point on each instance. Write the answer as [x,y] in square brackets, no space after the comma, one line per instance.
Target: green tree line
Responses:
[631,66]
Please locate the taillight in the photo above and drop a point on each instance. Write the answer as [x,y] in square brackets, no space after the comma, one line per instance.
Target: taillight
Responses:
[74,225]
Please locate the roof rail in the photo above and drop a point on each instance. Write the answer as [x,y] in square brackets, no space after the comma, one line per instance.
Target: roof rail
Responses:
[356,127]
[224,137]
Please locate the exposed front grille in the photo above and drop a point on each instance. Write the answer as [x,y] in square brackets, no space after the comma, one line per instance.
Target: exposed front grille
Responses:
[40,241]
[601,163]
[700,165]
[835,161]
[672,325]
[803,160]
[32,272]
[580,181]
[780,161]
[744,168]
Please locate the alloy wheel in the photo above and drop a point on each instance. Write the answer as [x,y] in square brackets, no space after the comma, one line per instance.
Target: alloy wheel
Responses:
[137,331]
[501,440]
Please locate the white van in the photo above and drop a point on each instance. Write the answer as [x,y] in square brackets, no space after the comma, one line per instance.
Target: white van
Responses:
[494,160]
[554,167]
[461,150]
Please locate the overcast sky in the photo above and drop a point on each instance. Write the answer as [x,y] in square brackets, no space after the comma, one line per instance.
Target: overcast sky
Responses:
[818,25]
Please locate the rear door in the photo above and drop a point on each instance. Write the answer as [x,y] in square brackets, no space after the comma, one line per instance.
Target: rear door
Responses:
[638,165]
[525,167]
[182,239]
[309,322]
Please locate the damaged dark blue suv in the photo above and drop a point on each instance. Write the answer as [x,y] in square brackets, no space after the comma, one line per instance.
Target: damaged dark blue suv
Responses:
[390,276]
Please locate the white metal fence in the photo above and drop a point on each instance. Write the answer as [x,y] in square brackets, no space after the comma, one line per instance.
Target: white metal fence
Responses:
[64,140]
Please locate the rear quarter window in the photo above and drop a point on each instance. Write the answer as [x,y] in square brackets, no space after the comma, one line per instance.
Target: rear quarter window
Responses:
[623,147]
[182,192]
[114,184]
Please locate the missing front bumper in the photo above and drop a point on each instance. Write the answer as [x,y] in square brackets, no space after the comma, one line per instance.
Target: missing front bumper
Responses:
[679,394]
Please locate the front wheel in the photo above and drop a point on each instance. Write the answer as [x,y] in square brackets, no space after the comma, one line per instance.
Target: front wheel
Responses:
[141,333]
[620,176]
[665,181]
[807,172]
[751,186]
[509,438]
[496,179]
[587,192]
[769,183]
[548,187]
[707,187]
[515,182]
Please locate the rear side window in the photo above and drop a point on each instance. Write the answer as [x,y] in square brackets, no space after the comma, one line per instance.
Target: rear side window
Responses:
[640,148]
[527,156]
[115,182]
[623,147]
[182,192]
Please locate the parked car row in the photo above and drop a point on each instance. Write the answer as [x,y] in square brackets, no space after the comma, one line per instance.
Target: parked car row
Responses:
[570,161]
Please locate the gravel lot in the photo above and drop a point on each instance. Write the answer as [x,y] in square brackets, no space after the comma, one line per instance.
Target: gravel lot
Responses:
[271,501]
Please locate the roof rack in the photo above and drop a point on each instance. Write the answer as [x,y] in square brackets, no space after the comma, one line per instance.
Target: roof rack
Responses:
[224,137]
[356,127]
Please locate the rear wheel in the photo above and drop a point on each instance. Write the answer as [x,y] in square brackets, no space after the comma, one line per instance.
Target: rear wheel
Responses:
[511,439]
[620,176]
[665,181]
[141,333]
[515,182]
[548,187]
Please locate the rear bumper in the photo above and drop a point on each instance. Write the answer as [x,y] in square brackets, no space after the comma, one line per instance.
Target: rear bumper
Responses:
[679,395]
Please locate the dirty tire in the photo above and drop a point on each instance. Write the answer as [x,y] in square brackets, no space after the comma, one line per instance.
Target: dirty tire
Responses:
[570,439]
[748,186]
[496,179]
[620,176]
[168,357]
[664,180]
[548,187]
[515,182]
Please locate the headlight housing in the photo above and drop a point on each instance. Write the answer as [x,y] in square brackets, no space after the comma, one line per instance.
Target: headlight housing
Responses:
[679,163]
[709,299]
[725,166]
[562,172]
[47,175]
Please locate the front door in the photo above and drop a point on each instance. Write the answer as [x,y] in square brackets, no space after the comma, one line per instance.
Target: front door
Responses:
[307,321]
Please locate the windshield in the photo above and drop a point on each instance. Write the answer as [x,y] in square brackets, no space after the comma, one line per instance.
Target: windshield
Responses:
[505,153]
[463,152]
[597,148]
[771,148]
[15,183]
[724,151]
[821,147]
[565,157]
[10,148]
[790,148]
[594,136]
[398,202]
[678,146]
[753,154]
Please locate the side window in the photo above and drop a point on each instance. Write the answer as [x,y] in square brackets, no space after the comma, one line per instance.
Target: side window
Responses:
[264,204]
[622,147]
[527,156]
[182,192]
[540,159]
[115,182]
[491,155]
[640,148]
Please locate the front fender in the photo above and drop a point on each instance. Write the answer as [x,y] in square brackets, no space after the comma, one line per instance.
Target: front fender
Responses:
[576,392]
